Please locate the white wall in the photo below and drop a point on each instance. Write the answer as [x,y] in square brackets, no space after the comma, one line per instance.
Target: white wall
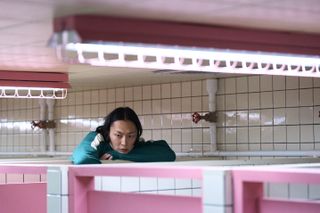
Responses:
[254,113]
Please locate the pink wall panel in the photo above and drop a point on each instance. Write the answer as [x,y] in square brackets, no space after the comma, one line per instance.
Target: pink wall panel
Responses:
[26,198]
[142,203]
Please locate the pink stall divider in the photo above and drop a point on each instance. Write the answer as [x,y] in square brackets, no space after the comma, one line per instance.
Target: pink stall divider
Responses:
[248,190]
[23,189]
[84,199]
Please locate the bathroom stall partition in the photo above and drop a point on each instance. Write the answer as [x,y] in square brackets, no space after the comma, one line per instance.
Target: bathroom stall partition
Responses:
[23,188]
[249,191]
[195,186]
[84,198]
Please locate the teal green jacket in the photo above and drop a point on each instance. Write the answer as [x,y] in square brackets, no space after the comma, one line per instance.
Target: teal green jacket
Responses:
[143,151]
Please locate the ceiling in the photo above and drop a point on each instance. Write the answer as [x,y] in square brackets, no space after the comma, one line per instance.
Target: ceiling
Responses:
[26,25]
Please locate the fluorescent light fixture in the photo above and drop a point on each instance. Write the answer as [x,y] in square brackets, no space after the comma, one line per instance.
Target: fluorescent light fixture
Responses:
[139,43]
[33,92]
[24,84]
[194,59]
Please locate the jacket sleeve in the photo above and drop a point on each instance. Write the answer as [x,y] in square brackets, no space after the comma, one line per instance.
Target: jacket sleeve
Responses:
[149,151]
[85,153]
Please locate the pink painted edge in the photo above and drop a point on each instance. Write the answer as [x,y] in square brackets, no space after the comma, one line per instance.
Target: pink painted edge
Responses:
[141,171]
[23,169]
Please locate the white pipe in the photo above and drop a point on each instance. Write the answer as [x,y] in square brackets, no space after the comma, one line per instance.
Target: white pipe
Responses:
[50,104]
[35,154]
[212,87]
[311,153]
[43,117]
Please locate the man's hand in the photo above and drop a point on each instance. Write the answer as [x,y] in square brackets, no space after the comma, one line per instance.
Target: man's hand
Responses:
[106,156]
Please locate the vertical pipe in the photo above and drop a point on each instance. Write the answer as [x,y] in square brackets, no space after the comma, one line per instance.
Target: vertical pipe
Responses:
[212,87]
[50,103]
[43,117]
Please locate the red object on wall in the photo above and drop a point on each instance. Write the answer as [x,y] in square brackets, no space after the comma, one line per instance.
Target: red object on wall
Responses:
[115,29]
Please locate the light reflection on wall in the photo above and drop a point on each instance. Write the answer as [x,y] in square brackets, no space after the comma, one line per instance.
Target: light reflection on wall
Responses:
[82,122]
[17,125]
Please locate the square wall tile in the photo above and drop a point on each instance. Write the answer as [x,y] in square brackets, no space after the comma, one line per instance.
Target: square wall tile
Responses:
[231,102]
[147,107]
[156,91]
[305,82]
[242,101]
[266,117]
[242,84]
[221,86]
[242,135]
[231,135]
[176,136]
[316,96]
[148,184]
[220,102]
[54,181]
[292,98]
[279,116]
[278,190]
[166,183]
[130,184]
[306,133]
[196,104]
[165,90]
[254,117]
[292,82]
[137,93]
[111,95]
[254,100]
[316,82]
[94,96]
[112,184]
[176,90]
[266,134]
[166,105]
[230,85]
[128,94]
[254,83]
[196,88]
[266,99]
[279,82]
[254,134]
[120,94]
[266,83]
[230,118]
[186,104]
[146,92]
[306,97]
[314,192]
[306,115]
[176,105]
[242,118]
[217,209]
[316,133]
[292,116]
[298,191]
[186,89]
[156,106]
[54,204]
[293,134]
[279,134]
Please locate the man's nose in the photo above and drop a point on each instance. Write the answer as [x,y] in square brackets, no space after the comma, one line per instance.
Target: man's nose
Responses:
[124,141]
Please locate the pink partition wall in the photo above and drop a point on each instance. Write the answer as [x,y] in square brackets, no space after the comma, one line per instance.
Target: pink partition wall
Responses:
[84,199]
[248,190]
[22,189]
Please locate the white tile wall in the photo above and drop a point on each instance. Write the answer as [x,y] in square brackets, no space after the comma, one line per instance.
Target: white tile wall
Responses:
[282,113]
[254,113]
